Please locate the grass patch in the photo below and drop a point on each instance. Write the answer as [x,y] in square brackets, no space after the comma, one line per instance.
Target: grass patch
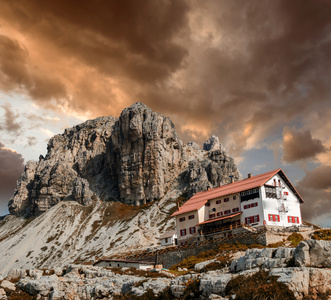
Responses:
[189,262]
[223,250]
[221,263]
[311,225]
[295,238]
[324,234]
[192,290]
[276,245]
[259,286]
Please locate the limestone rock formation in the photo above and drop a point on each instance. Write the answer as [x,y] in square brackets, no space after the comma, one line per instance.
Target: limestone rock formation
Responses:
[212,143]
[135,159]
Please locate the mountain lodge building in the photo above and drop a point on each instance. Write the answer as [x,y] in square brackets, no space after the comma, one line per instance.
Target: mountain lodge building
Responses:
[267,199]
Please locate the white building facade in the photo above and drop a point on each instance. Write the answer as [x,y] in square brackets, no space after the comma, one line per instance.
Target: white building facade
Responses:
[267,199]
[169,238]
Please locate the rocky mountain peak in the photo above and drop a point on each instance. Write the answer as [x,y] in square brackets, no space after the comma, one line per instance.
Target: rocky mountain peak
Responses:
[212,144]
[134,159]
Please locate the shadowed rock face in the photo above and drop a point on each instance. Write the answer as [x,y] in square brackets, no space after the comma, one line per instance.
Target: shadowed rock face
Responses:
[135,159]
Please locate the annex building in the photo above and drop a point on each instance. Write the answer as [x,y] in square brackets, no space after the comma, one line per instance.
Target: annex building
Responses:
[267,199]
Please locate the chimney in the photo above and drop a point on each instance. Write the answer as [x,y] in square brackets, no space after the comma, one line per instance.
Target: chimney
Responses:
[231,178]
[249,175]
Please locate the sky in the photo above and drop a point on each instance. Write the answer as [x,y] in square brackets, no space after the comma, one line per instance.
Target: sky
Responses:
[255,73]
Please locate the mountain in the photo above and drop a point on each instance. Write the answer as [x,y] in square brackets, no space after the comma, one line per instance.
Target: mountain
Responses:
[106,185]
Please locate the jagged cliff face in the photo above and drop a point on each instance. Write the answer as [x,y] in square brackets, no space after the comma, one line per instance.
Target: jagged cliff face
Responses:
[135,159]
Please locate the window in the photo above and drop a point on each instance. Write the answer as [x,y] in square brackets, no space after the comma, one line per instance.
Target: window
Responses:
[243,194]
[234,197]
[279,184]
[211,216]
[207,204]
[252,219]
[191,217]
[274,182]
[182,219]
[254,204]
[219,214]
[286,193]
[183,232]
[235,209]
[226,199]
[227,212]
[255,190]
[192,230]
[274,218]
[247,206]
[218,201]
[249,192]
[166,240]
[293,219]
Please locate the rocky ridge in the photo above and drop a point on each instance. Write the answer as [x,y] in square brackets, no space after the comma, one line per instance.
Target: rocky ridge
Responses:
[305,278]
[134,159]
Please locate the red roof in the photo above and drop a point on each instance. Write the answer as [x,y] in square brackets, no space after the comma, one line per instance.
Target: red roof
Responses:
[199,199]
[220,218]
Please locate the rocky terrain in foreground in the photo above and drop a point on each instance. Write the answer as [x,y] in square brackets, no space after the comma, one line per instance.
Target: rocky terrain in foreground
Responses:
[305,271]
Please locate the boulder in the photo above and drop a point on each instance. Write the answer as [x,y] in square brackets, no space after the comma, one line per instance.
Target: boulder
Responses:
[16,273]
[200,266]
[3,295]
[301,255]
[157,285]
[58,271]
[7,285]
[304,281]
[214,284]
[57,295]
[313,253]
[320,253]
[34,286]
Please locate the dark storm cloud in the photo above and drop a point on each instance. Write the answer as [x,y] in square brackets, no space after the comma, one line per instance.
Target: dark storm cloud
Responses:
[19,75]
[299,145]
[319,178]
[11,167]
[315,190]
[240,69]
[127,41]
[9,122]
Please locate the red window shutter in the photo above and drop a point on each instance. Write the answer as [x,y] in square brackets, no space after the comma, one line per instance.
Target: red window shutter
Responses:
[245,220]
[298,220]
[258,218]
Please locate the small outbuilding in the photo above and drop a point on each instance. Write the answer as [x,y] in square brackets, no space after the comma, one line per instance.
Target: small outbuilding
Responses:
[119,263]
[168,238]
